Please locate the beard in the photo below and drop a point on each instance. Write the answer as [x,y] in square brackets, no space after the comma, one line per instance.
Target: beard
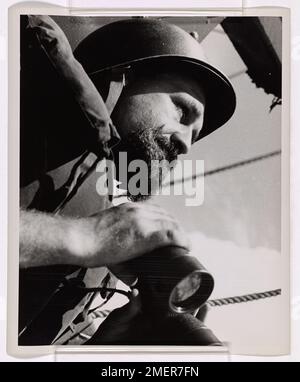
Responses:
[157,151]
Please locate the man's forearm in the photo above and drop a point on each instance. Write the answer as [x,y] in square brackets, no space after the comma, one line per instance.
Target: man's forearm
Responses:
[44,239]
[108,237]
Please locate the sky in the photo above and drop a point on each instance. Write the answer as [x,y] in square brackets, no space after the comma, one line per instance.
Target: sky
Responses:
[242,205]
[236,232]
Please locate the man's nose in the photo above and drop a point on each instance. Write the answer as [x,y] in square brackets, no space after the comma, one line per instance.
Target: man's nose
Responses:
[183,139]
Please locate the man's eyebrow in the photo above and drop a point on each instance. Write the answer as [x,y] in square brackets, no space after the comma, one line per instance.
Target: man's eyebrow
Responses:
[190,102]
[196,107]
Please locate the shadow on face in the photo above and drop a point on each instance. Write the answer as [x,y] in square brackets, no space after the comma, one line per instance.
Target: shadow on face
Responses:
[158,116]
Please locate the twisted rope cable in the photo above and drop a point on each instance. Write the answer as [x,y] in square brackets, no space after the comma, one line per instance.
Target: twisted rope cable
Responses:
[226,168]
[218,170]
[244,298]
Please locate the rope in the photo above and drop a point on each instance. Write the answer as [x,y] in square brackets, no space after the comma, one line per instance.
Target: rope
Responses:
[97,313]
[219,169]
[228,167]
[244,298]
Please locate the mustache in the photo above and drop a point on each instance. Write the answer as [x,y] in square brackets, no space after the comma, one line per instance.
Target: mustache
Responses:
[170,148]
[149,143]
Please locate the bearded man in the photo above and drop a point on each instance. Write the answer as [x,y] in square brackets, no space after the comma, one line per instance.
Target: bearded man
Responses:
[161,96]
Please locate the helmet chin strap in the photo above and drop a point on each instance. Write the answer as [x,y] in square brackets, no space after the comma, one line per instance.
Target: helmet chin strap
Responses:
[116,86]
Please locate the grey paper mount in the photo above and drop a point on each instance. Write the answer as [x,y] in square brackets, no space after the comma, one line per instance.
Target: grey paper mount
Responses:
[66,353]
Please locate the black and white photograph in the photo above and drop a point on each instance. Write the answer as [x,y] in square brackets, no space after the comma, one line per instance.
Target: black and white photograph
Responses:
[151,182]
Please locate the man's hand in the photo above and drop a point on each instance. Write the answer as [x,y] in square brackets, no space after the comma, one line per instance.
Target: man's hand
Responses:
[107,238]
[122,233]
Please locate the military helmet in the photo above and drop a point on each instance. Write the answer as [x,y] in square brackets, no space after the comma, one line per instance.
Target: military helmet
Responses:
[140,43]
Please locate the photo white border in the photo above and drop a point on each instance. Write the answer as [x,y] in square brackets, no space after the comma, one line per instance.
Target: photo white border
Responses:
[15,174]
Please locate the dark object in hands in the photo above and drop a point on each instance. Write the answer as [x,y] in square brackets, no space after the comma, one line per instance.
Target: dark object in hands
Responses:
[185,329]
[171,281]
[172,287]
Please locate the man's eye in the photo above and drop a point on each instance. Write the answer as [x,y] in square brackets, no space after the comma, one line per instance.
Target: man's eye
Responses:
[182,112]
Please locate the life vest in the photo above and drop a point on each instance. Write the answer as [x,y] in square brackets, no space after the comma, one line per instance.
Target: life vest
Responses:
[55,134]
